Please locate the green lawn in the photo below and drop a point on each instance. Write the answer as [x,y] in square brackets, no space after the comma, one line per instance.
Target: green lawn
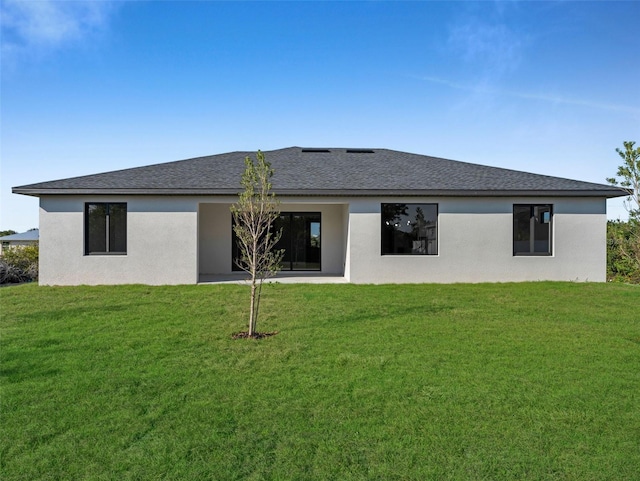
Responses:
[527,381]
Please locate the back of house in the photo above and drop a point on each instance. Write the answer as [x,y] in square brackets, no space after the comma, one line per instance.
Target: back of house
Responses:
[364,215]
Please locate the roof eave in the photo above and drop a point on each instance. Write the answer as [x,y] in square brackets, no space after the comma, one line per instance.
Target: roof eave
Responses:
[608,193]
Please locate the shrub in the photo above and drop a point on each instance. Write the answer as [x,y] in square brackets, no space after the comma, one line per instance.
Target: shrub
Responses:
[623,251]
[19,264]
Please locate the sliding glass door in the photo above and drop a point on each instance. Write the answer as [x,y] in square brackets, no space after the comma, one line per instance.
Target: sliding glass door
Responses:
[300,241]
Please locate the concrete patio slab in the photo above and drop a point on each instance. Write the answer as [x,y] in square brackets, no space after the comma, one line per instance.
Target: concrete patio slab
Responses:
[282,277]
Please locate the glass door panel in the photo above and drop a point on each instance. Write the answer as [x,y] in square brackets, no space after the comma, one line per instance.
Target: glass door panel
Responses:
[300,241]
[305,242]
[285,240]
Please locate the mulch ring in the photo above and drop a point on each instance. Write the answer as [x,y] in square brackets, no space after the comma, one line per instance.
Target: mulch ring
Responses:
[255,335]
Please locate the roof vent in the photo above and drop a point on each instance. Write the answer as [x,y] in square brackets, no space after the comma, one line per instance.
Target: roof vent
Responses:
[359,151]
[317,151]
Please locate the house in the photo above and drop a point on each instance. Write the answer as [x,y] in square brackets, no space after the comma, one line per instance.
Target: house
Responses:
[22,239]
[365,215]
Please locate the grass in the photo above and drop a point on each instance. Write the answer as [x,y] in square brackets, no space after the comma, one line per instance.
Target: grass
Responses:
[527,381]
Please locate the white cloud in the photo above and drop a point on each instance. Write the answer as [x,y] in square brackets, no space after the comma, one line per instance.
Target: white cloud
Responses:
[491,47]
[556,99]
[50,24]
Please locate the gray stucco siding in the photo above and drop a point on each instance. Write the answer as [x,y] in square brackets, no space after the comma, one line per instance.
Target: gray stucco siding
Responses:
[475,243]
[176,239]
[161,242]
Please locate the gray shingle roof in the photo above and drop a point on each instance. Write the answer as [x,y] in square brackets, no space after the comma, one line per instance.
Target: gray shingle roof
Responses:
[30,235]
[330,171]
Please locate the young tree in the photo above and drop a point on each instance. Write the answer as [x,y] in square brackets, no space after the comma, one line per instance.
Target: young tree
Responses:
[623,238]
[623,252]
[629,172]
[253,217]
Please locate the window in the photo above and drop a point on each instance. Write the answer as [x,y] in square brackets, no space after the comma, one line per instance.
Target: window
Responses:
[532,229]
[410,229]
[300,241]
[105,228]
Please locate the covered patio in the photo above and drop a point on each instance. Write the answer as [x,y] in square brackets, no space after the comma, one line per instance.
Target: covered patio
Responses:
[314,241]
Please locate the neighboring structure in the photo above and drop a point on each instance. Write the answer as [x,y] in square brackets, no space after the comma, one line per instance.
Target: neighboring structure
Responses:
[18,240]
[368,215]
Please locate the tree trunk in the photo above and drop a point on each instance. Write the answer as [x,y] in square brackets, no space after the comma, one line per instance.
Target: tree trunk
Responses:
[252,313]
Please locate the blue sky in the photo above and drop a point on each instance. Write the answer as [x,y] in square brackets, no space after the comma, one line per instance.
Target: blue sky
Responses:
[87,87]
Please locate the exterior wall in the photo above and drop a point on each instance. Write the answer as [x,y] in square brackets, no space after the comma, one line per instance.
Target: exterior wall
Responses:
[347,240]
[475,243]
[214,242]
[173,240]
[162,235]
